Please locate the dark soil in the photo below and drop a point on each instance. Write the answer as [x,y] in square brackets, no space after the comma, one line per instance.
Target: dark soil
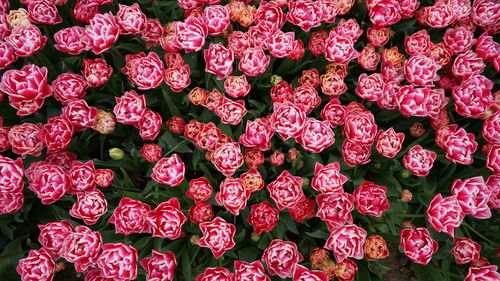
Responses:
[399,264]
[68,274]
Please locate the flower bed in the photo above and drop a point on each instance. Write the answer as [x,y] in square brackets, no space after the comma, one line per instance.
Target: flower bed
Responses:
[249,140]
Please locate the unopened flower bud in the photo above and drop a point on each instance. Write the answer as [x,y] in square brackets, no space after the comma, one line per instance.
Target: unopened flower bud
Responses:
[116,153]
[406,196]
[292,154]
[407,224]
[275,79]
[405,173]
[305,182]
[60,266]
[194,239]
[277,158]
[255,237]
[417,130]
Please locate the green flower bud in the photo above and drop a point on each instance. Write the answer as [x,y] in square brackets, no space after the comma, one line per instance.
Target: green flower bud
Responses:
[305,183]
[255,237]
[116,153]
[275,79]
[405,173]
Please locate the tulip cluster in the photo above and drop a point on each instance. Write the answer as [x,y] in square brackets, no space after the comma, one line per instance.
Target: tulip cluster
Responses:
[223,74]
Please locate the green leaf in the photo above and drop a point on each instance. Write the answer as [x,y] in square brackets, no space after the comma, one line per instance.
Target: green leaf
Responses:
[196,157]
[130,47]
[127,181]
[7,231]
[186,267]
[151,185]
[428,273]
[363,273]
[264,241]
[248,254]
[321,234]
[170,103]
[142,243]
[207,173]
[10,256]
[289,223]
[387,115]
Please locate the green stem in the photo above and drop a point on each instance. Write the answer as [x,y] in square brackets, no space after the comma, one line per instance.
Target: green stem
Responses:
[269,235]
[418,211]
[480,235]
[467,233]
[456,276]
